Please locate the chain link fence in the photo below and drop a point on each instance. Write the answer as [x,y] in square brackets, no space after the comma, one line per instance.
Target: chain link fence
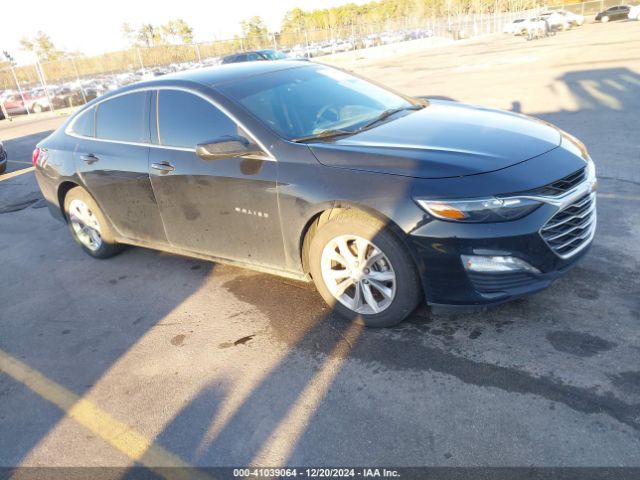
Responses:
[73,81]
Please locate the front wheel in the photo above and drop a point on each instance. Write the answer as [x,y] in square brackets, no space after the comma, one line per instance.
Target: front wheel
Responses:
[88,225]
[604,19]
[363,271]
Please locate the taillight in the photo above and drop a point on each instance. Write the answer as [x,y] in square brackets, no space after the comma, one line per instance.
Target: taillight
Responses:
[35,155]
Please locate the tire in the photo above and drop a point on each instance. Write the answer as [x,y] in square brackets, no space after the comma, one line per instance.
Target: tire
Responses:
[3,167]
[88,225]
[37,108]
[390,282]
[604,19]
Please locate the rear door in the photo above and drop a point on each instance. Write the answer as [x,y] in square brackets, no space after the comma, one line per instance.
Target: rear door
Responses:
[617,12]
[226,208]
[112,158]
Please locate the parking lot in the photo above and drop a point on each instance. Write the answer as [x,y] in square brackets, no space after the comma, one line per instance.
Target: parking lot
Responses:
[153,359]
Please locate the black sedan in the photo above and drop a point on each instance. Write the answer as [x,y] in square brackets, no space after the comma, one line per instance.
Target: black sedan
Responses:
[619,12]
[310,172]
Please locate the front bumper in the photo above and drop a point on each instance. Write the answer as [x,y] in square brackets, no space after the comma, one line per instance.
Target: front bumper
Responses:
[438,246]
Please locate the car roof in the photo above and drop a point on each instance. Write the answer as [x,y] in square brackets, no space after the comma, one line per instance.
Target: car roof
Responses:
[208,77]
[233,71]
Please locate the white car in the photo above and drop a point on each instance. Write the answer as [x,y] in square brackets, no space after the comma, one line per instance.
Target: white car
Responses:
[556,21]
[575,19]
[517,27]
[634,13]
[535,27]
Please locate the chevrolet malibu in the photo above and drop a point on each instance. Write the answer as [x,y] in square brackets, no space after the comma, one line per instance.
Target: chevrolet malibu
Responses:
[313,173]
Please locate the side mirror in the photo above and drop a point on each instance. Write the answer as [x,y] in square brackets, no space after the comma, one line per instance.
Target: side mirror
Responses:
[229,146]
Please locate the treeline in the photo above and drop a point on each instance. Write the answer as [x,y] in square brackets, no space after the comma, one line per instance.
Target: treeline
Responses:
[381,11]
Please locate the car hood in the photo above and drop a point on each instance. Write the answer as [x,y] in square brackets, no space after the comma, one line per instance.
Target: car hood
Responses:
[445,139]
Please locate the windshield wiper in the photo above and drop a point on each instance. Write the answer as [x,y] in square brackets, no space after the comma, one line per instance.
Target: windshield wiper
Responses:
[330,133]
[323,134]
[388,113]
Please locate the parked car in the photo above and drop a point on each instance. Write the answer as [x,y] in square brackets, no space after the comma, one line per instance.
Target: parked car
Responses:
[574,19]
[372,40]
[65,97]
[556,21]
[254,56]
[634,13]
[3,158]
[33,102]
[310,172]
[535,27]
[619,12]
[517,27]
[343,46]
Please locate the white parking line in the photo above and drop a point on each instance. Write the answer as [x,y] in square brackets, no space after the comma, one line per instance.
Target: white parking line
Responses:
[619,197]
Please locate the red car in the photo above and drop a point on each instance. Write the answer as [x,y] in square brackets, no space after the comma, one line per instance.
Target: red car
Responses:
[36,103]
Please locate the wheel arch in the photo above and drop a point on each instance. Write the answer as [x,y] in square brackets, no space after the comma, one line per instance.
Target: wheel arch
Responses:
[325,212]
[63,189]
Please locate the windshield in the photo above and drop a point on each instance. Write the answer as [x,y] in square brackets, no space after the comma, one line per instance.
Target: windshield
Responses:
[299,102]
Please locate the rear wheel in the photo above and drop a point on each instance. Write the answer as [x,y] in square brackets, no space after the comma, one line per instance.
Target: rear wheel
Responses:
[37,108]
[362,270]
[88,225]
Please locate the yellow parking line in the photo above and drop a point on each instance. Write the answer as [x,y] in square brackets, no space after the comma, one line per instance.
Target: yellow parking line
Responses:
[118,434]
[7,176]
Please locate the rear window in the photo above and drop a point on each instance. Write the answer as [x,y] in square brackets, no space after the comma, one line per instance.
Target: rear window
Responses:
[84,124]
[124,118]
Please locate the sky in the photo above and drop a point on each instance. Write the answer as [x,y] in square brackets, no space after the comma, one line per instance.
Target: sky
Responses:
[95,26]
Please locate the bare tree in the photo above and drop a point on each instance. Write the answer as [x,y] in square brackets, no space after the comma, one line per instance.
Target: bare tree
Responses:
[42,45]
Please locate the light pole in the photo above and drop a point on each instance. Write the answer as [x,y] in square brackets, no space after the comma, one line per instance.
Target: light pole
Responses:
[43,80]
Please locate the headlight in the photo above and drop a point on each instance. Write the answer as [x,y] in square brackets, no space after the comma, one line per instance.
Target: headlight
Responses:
[480,210]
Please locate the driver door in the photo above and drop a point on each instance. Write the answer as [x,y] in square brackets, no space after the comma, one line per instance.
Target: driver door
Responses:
[226,208]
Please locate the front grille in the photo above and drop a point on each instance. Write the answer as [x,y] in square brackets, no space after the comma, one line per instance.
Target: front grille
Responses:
[571,229]
[563,185]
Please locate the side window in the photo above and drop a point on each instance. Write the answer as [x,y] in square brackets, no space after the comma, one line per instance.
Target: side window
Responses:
[253,56]
[124,118]
[85,123]
[185,120]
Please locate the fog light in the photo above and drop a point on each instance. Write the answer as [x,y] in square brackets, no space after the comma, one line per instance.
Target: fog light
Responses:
[496,264]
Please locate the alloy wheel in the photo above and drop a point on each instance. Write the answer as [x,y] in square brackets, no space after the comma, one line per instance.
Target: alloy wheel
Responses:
[358,274]
[85,225]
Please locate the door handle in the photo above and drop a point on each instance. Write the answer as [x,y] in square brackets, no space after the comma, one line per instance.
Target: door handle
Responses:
[89,158]
[163,167]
